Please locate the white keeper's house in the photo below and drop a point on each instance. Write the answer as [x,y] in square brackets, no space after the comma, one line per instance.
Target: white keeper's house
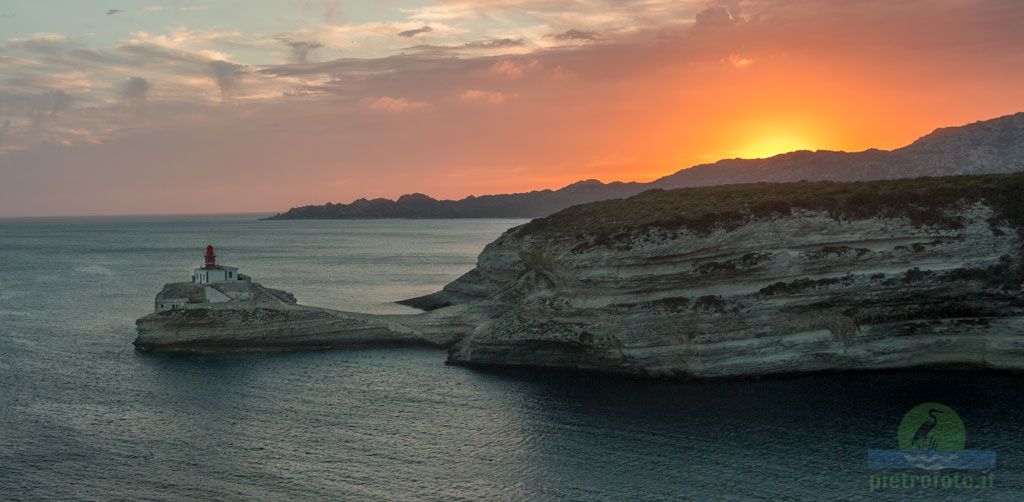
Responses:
[211,284]
[211,272]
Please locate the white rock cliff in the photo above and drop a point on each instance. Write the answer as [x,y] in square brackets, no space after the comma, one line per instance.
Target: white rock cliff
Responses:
[711,282]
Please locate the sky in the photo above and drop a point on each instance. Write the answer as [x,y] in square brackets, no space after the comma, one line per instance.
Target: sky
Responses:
[202,106]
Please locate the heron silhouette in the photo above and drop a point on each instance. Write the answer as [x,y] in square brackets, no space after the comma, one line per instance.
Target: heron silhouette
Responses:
[921,437]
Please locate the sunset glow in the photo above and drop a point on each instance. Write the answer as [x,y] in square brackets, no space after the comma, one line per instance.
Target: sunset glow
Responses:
[297,103]
[773,145]
[773,137]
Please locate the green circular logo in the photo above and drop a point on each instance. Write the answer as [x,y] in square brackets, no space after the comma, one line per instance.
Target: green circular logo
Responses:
[932,426]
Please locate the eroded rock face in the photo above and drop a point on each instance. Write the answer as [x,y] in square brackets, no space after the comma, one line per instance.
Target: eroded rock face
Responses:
[498,265]
[800,292]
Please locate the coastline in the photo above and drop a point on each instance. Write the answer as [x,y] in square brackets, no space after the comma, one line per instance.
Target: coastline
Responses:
[793,278]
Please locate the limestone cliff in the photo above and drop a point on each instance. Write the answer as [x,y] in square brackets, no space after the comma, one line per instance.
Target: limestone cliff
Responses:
[759,279]
[739,280]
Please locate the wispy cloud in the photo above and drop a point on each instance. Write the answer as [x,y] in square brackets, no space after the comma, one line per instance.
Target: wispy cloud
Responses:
[228,75]
[416,31]
[480,96]
[515,68]
[574,34]
[739,61]
[135,90]
[301,49]
[387,103]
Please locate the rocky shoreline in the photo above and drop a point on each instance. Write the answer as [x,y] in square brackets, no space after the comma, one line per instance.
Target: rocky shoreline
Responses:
[267,322]
[717,282]
[269,329]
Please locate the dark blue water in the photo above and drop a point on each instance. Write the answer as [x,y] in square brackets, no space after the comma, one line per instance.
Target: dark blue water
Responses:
[84,416]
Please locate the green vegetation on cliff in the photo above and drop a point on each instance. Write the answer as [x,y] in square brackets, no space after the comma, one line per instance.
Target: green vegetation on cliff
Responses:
[924,201]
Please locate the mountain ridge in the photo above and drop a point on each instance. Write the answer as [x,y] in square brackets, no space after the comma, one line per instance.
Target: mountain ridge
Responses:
[985,146]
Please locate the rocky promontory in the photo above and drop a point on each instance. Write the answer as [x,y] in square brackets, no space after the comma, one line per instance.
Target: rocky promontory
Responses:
[245,315]
[749,280]
[725,281]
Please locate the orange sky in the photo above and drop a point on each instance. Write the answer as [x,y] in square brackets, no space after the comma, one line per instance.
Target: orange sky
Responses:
[525,102]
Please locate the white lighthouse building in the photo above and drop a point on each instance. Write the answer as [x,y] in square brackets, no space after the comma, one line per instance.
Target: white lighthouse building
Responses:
[211,272]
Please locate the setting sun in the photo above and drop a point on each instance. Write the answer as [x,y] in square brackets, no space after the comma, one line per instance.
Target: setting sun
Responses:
[769,146]
[774,132]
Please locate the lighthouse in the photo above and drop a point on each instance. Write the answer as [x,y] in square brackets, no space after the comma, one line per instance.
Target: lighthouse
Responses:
[211,258]
[211,272]
[212,285]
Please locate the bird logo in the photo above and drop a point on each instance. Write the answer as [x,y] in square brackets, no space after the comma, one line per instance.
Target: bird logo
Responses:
[931,436]
[925,438]
[932,427]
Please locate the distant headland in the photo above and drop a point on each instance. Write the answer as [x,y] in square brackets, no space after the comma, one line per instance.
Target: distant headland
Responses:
[990,146]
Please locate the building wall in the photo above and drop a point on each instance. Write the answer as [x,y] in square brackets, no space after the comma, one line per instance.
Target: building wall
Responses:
[203,276]
[171,303]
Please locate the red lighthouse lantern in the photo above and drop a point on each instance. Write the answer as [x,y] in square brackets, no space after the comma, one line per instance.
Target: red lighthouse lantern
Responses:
[211,257]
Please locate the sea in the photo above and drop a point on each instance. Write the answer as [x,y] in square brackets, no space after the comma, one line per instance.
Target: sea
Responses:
[83,416]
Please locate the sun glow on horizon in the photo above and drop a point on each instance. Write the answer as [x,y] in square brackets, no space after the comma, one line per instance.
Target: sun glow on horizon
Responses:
[779,133]
[769,146]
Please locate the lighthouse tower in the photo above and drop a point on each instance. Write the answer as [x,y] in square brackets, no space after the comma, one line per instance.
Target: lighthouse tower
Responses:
[211,258]
[211,272]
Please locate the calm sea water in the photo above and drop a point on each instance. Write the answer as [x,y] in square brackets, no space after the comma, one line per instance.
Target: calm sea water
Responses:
[84,416]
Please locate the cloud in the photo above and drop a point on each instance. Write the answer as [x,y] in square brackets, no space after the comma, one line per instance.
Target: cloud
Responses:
[134,90]
[499,43]
[328,9]
[488,97]
[46,107]
[574,34]
[227,76]
[739,61]
[111,12]
[487,45]
[414,32]
[209,44]
[302,49]
[332,9]
[387,103]
[59,101]
[713,17]
[514,69]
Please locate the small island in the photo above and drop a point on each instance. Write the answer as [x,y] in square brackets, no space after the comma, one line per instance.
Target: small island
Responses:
[222,309]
